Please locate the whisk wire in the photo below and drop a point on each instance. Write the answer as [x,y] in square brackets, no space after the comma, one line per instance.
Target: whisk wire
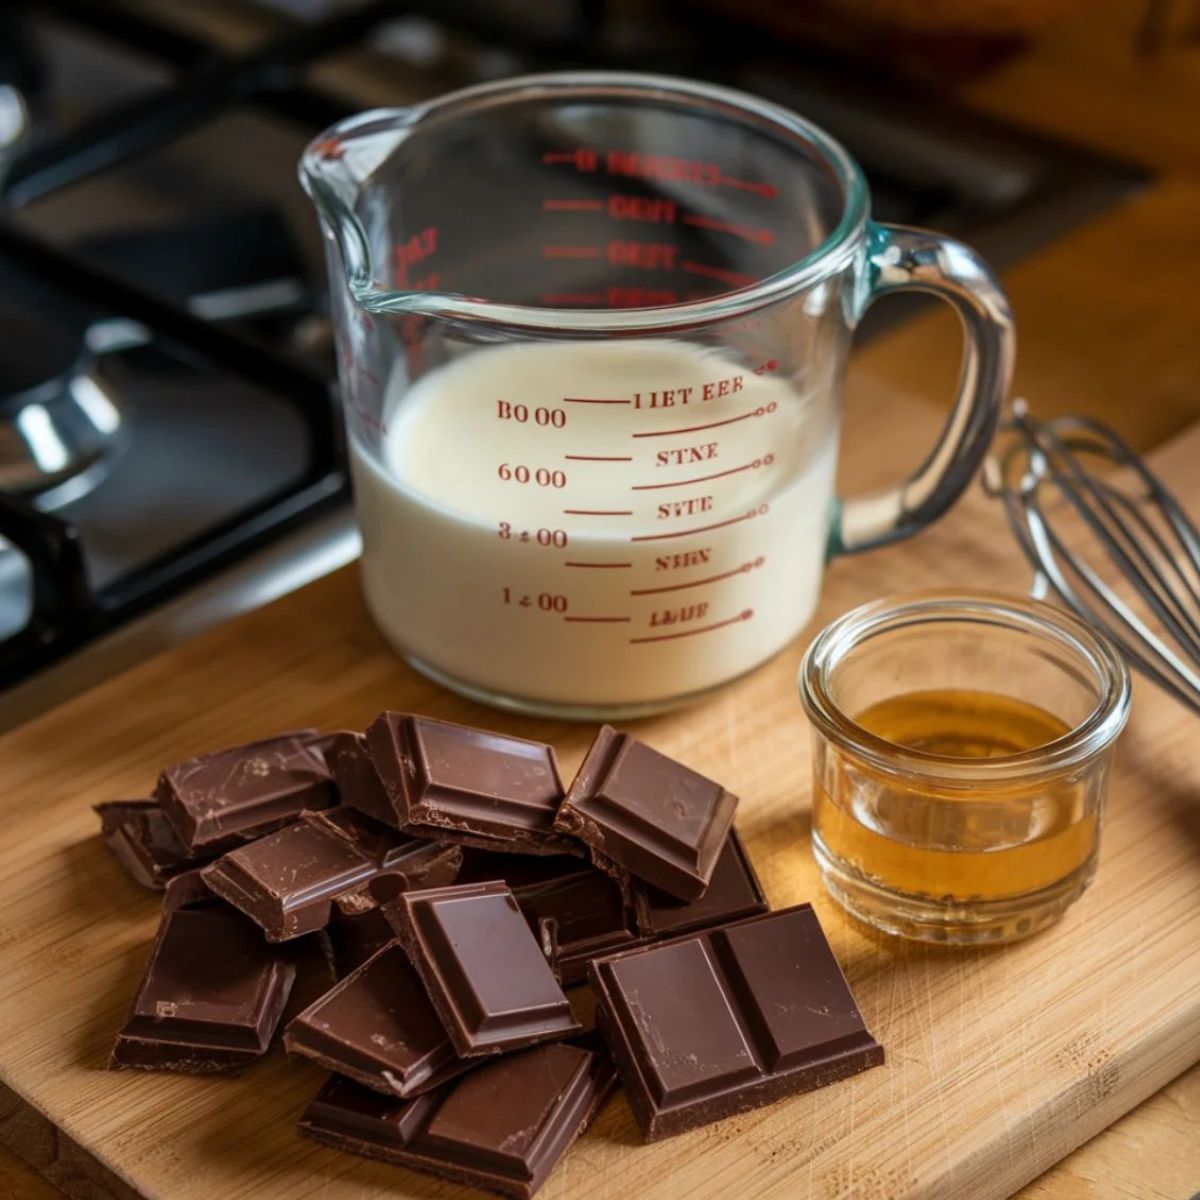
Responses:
[1160,560]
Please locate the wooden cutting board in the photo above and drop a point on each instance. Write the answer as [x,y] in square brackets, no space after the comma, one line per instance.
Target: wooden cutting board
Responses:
[1000,1061]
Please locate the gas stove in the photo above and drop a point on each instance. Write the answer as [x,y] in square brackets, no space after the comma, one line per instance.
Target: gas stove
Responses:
[170,449]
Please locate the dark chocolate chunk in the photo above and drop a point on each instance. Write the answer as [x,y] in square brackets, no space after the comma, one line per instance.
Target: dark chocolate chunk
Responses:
[222,799]
[733,892]
[468,785]
[211,995]
[357,781]
[355,937]
[143,841]
[482,967]
[577,917]
[188,890]
[503,1126]
[377,1027]
[647,814]
[716,1023]
[578,912]
[288,880]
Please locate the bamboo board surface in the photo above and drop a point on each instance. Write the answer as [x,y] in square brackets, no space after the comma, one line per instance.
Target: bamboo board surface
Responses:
[1000,1060]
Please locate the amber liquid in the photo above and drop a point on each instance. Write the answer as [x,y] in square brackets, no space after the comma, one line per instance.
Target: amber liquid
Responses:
[955,845]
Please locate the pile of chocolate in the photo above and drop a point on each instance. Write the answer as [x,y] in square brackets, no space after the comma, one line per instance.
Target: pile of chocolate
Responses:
[454,887]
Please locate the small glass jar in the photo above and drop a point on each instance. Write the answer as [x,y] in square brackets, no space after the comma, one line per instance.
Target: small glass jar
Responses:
[961,747]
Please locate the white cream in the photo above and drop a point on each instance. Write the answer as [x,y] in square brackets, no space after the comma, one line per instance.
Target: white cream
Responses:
[493,478]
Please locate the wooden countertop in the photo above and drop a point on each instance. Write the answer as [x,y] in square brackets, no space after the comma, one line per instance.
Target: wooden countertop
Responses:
[1109,323]
[1138,366]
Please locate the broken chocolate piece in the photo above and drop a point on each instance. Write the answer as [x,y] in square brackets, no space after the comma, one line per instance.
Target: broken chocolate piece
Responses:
[143,841]
[482,967]
[733,892]
[357,781]
[502,1127]
[287,881]
[468,785]
[211,995]
[721,1022]
[377,1027]
[578,911]
[222,799]
[647,814]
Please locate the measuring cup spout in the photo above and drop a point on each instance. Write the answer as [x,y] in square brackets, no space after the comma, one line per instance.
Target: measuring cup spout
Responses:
[340,170]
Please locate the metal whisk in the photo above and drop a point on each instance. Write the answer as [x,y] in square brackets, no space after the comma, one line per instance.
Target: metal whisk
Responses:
[1136,575]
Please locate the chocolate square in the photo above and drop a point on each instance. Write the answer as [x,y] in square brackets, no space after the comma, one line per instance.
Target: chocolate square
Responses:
[482,789]
[482,967]
[646,814]
[767,1014]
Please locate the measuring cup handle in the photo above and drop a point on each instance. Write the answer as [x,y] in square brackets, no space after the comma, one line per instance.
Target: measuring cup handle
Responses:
[901,259]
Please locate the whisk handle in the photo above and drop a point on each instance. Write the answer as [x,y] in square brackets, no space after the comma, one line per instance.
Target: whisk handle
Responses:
[900,259]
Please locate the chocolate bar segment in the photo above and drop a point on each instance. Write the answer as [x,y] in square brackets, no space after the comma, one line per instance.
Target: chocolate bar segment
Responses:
[482,967]
[648,815]
[143,841]
[768,1014]
[222,799]
[211,995]
[358,783]
[377,1027]
[481,789]
[733,892]
[503,1127]
[287,881]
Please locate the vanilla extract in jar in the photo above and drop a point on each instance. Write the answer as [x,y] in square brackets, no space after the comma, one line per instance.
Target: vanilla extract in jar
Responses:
[961,754]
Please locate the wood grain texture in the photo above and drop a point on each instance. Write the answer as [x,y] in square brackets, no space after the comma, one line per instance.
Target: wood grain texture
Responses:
[1147,1155]
[1001,1061]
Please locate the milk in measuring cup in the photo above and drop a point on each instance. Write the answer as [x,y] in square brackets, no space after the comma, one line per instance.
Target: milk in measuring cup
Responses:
[595,523]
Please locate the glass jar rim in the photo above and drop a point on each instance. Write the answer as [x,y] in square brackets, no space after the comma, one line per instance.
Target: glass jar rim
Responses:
[1085,740]
[323,177]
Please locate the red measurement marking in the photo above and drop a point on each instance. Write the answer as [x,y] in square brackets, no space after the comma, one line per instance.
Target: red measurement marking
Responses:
[599,512]
[765,461]
[583,158]
[662,537]
[421,245]
[647,256]
[639,297]
[733,278]
[329,148]
[758,412]
[744,569]
[602,566]
[745,615]
[642,208]
[768,190]
[571,251]
[591,400]
[751,233]
[600,620]
[572,205]
[598,458]
[572,297]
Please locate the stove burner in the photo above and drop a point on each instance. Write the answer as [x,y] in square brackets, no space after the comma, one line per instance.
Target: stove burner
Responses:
[36,348]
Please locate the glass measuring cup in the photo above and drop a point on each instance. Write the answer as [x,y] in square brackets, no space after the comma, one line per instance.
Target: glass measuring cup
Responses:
[592,330]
